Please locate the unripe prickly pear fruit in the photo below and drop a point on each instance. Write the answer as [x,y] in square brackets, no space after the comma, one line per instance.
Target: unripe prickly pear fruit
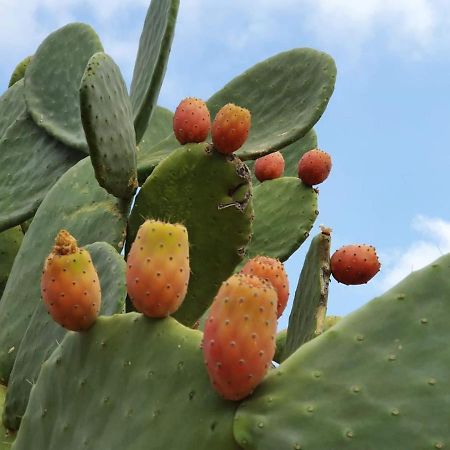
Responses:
[158,268]
[239,338]
[271,270]
[269,167]
[230,128]
[191,121]
[314,167]
[70,286]
[354,264]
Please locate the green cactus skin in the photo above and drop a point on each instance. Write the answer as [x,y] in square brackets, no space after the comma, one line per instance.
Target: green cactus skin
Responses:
[209,194]
[52,81]
[291,154]
[31,162]
[280,345]
[331,321]
[6,436]
[10,241]
[307,318]
[379,379]
[286,94]
[285,211]
[151,61]
[77,203]
[159,127]
[43,334]
[140,384]
[19,71]
[108,124]
[12,105]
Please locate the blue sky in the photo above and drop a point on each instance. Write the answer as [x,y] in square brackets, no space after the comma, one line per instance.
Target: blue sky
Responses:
[387,126]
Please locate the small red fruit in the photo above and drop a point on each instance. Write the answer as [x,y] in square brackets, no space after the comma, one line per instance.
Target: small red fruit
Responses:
[70,286]
[239,339]
[158,268]
[354,264]
[271,270]
[314,167]
[191,121]
[269,167]
[230,128]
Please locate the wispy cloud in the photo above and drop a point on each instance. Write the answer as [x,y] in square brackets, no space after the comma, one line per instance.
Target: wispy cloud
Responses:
[434,241]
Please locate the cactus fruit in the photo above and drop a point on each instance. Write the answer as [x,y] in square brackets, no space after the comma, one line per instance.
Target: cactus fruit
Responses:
[191,121]
[230,128]
[354,264]
[158,268]
[314,167]
[271,270]
[239,338]
[70,286]
[269,167]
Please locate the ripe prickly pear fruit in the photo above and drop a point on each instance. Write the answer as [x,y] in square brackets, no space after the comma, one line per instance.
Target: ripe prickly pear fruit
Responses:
[354,264]
[191,121]
[271,270]
[269,167]
[230,128]
[158,268]
[239,338]
[70,286]
[314,167]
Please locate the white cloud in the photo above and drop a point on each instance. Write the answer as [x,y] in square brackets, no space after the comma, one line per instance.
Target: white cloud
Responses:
[434,242]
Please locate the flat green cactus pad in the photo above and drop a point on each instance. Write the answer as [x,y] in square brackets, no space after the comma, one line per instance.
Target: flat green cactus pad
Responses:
[286,95]
[19,71]
[159,127]
[108,123]
[77,203]
[10,241]
[31,162]
[12,105]
[210,194]
[151,61]
[6,436]
[53,78]
[128,383]
[307,318]
[285,211]
[43,334]
[291,154]
[149,158]
[378,379]
[280,345]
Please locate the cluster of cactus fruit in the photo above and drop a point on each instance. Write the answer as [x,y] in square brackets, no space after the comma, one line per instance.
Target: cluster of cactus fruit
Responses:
[111,349]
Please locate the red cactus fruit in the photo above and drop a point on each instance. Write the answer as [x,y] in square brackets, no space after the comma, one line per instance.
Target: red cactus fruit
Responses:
[314,167]
[271,270]
[191,121]
[70,286]
[269,167]
[239,338]
[158,268]
[354,264]
[230,128]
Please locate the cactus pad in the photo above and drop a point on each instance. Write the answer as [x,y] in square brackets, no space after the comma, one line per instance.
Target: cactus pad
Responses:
[209,194]
[12,105]
[151,61]
[159,127]
[31,162]
[6,436]
[378,379]
[77,203]
[19,71]
[108,124]
[286,94]
[152,397]
[307,318]
[10,241]
[53,78]
[285,211]
[43,334]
